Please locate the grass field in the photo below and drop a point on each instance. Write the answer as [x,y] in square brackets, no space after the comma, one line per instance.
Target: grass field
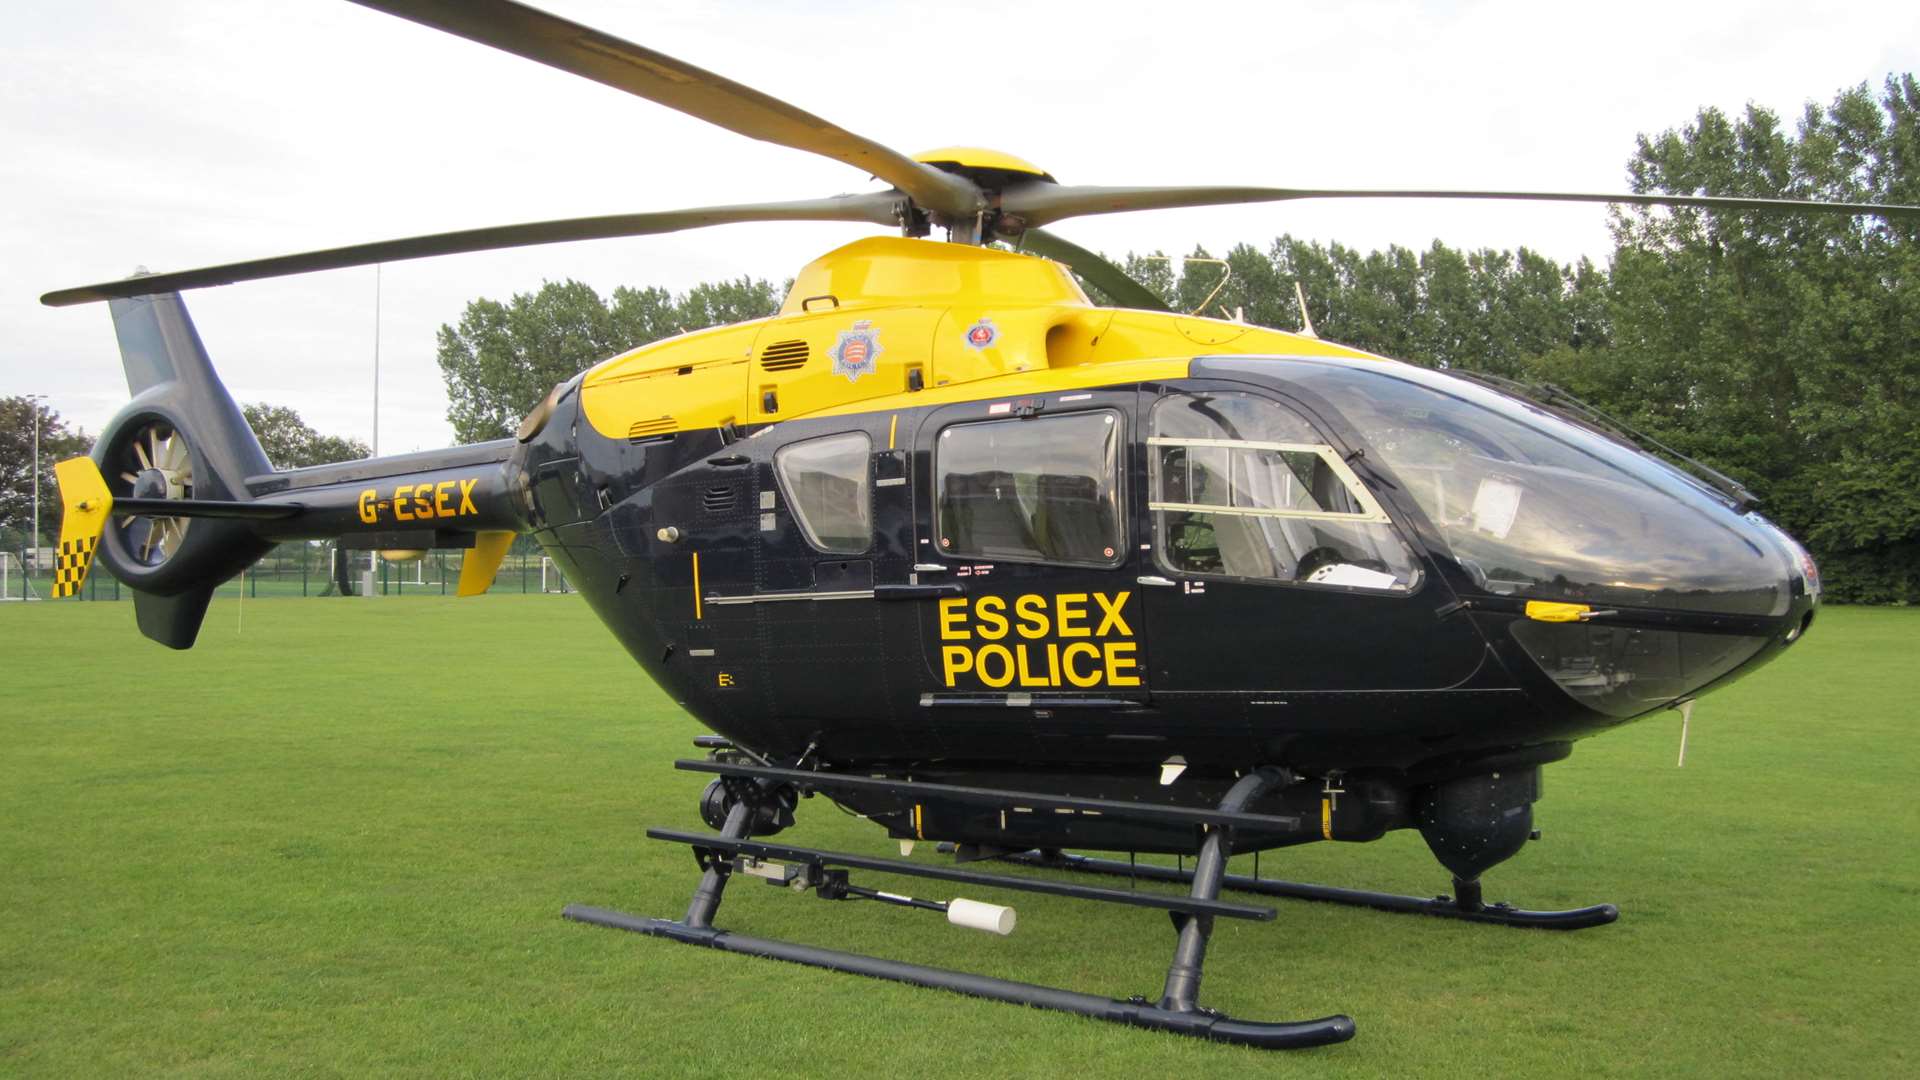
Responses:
[339,842]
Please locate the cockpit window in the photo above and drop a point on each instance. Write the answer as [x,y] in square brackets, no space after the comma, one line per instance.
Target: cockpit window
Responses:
[1244,487]
[1045,489]
[1533,506]
[826,482]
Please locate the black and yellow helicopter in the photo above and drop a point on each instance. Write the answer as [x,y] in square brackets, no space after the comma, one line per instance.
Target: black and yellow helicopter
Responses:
[992,566]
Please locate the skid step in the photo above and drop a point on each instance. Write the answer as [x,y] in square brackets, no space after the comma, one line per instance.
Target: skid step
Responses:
[761,849]
[995,798]
[1466,907]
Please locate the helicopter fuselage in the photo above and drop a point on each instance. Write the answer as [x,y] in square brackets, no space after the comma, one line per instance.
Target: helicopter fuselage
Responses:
[983,536]
[944,518]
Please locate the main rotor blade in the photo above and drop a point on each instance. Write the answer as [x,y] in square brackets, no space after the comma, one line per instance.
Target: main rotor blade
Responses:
[878,208]
[1041,204]
[580,50]
[1110,279]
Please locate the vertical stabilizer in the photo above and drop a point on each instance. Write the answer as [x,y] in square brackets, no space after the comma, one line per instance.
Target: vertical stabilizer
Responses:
[182,438]
[167,368]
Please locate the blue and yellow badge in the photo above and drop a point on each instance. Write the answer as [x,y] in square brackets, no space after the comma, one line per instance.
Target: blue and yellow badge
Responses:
[854,354]
[983,333]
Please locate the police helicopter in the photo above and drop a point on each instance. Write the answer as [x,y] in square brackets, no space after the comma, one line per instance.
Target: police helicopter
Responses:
[951,546]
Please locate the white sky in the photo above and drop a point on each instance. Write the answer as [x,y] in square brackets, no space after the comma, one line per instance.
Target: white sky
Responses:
[178,133]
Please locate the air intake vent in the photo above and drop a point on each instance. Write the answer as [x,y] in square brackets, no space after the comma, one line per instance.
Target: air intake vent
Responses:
[718,500]
[646,429]
[783,356]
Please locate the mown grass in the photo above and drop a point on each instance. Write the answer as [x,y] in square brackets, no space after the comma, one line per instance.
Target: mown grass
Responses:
[338,842]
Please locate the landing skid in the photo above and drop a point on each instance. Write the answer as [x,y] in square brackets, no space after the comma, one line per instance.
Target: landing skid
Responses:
[1177,1011]
[1466,904]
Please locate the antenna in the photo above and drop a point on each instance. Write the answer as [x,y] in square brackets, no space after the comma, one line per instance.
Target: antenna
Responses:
[1306,321]
[1226,275]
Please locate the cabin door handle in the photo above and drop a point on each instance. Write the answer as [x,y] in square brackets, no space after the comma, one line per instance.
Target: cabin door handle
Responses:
[915,592]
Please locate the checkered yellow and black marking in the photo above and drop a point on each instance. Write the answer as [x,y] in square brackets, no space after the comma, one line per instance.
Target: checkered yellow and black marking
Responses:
[70,565]
[86,503]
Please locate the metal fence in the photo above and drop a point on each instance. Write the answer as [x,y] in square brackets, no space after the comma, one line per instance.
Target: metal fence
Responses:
[310,569]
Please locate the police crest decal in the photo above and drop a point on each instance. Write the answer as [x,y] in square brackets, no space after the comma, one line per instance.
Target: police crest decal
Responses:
[855,352]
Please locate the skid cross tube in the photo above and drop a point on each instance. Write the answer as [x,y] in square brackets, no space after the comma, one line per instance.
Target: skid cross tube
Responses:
[760,849]
[1443,907]
[1190,951]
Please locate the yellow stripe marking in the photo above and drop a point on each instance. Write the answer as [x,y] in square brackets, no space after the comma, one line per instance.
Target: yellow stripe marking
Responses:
[892,427]
[1326,818]
[696,586]
[917,819]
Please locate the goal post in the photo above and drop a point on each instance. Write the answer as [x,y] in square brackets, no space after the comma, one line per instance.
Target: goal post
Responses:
[551,579]
[15,582]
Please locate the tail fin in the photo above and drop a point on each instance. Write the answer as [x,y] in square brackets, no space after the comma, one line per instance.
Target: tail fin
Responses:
[178,496]
[182,437]
[168,371]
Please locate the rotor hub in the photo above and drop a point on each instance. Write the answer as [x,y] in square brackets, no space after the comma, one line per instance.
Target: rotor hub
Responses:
[153,484]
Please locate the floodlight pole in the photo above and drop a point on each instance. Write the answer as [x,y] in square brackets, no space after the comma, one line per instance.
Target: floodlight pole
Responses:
[34,543]
[373,558]
[376,360]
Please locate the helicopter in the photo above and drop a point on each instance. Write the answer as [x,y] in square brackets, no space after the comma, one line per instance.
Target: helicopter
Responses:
[1002,570]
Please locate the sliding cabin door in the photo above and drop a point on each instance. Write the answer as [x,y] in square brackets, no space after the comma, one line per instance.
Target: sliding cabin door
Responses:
[1040,645]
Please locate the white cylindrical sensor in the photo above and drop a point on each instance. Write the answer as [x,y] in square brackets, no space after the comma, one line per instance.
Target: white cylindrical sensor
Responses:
[975,915]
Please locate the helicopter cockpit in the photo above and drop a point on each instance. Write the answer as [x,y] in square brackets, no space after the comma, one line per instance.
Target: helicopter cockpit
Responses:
[1535,508]
[1243,486]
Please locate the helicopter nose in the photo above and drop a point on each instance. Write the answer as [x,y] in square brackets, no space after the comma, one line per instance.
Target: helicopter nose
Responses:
[1648,583]
[1623,663]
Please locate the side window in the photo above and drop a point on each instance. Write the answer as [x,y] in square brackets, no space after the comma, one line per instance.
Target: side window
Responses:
[1244,487]
[826,484]
[1045,489]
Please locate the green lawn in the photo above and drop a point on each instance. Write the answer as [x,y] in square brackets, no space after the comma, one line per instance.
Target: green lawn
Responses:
[338,842]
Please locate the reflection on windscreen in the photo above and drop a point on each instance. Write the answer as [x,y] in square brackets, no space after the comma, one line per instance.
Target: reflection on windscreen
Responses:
[1532,505]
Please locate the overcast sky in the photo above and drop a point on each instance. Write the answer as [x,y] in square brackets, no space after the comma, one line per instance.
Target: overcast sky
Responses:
[178,133]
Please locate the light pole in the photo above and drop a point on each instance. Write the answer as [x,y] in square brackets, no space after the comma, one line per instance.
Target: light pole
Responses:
[34,544]
[373,557]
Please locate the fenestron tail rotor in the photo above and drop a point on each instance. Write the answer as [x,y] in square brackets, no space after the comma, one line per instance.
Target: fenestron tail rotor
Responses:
[154,464]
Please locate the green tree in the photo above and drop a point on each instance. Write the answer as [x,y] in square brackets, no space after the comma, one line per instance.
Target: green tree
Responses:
[291,443]
[503,358]
[1785,348]
[57,443]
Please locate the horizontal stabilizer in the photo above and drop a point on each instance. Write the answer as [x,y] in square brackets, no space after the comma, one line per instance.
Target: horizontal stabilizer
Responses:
[209,508]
